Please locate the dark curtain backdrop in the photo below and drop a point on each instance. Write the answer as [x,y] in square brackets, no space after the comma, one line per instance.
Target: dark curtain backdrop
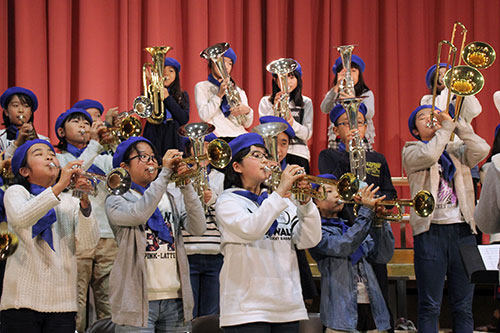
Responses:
[69,50]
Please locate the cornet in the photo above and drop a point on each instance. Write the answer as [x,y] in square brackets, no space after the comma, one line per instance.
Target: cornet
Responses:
[281,68]
[215,53]
[117,181]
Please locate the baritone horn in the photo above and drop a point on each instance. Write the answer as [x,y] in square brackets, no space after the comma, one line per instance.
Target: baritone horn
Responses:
[281,68]
[215,54]
[153,90]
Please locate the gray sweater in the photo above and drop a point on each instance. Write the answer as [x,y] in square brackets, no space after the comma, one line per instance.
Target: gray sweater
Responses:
[127,213]
[487,213]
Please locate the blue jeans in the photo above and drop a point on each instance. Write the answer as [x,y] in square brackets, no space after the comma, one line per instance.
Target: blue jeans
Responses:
[204,270]
[164,316]
[437,257]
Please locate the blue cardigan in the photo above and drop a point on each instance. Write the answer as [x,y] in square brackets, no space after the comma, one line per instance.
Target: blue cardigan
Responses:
[338,307]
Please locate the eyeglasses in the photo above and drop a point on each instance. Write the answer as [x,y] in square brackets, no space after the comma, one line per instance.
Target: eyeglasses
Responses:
[346,123]
[258,155]
[145,158]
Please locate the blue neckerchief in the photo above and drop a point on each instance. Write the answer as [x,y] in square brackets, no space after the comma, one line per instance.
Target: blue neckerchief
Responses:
[168,114]
[336,222]
[342,146]
[259,199]
[447,166]
[12,132]
[43,226]
[283,164]
[77,152]
[156,221]
[224,106]
[3,217]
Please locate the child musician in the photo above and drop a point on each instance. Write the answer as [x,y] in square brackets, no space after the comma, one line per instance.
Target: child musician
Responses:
[164,136]
[442,167]
[301,116]
[149,282]
[260,283]
[94,265]
[19,105]
[213,106]
[351,299]
[39,293]
[361,89]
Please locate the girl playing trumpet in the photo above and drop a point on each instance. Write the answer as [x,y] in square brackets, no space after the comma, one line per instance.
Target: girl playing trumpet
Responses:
[260,283]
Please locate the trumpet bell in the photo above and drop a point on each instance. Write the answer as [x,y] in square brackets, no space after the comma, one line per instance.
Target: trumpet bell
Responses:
[130,126]
[219,153]
[424,203]
[8,244]
[118,181]
[464,80]
[348,186]
[479,55]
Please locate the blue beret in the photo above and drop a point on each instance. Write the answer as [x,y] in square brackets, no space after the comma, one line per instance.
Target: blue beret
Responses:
[431,71]
[324,175]
[339,110]
[243,141]
[413,115]
[174,63]
[210,137]
[299,68]
[88,104]
[21,151]
[63,116]
[230,54]
[496,130]
[123,146]
[354,59]
[18,90]
[272,119]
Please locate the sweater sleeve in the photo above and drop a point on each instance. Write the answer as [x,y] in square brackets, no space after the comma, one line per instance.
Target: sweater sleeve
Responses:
[88,156]
[474,148]
[329,101]
[33,208]
[244,101]
[265,107]
[194,215]
[207,103]
[241,225]
[307,233]
[87,231]
[179,114]
[125,213]
[487,213]
[304,131]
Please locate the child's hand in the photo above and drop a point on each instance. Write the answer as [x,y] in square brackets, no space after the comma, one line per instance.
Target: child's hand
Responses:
[442,116]
[172,158]
[223,86]
[66,175]
[25,131]
[207,195]
[94,130]
[303,184]
[289,176]
[240,110]
[368,198]
[111,115]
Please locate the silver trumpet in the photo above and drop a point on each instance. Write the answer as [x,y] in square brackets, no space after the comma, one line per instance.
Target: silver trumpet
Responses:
[117,182]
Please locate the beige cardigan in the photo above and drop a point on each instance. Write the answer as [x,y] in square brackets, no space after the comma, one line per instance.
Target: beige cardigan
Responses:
[420,161]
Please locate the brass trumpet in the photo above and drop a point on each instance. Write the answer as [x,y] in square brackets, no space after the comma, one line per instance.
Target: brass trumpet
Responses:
[8,243]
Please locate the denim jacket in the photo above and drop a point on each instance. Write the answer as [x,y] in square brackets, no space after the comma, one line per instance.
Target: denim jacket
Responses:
[338,307]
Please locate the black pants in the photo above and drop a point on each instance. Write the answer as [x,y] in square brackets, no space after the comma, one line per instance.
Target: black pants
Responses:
[30,321]
[260,327]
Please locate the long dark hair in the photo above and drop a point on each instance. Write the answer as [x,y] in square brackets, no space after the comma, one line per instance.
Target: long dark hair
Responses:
[25,99]
[295,95]
[495,148]
[360,88]
[231,177]
[176,91]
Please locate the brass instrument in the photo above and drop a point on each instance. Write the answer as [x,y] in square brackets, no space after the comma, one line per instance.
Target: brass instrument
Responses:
[117,182]
[154,89]
[218,154]
[301,194]
[357,154]
[8,243]
[423,202]
[196,133]
[452,51]
[269,132]
[6,171]
[32,134]
[282,67]
[215,53]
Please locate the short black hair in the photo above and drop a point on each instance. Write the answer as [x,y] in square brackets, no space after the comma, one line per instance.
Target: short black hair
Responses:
[295,95]
[63,144]
[360,88]
[25,99]
[231,177]
[133,148]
